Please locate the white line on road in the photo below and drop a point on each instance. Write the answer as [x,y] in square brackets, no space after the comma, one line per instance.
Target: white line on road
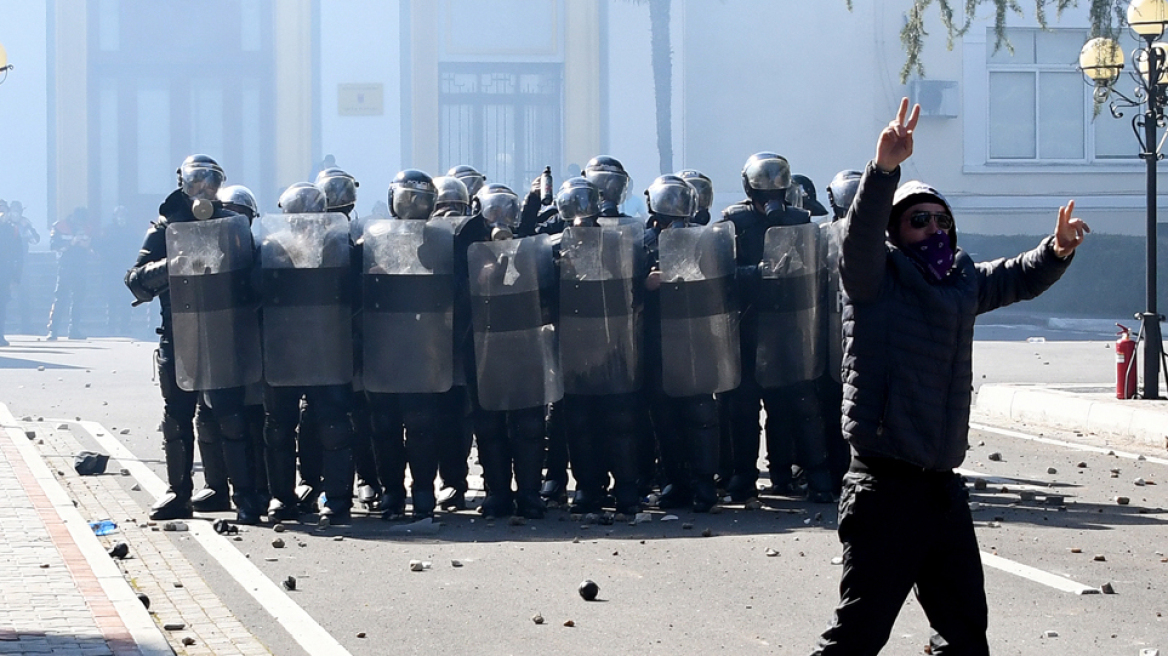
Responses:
[1070,445]
[1038,576]
[295,620]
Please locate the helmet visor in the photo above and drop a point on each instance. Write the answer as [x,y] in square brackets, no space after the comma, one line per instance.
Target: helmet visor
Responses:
[409,203]
[201,182]
[613,185]
[768,174]
[500,210]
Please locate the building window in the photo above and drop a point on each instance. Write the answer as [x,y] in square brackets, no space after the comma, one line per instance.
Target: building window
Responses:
[1039,108]
[502,119]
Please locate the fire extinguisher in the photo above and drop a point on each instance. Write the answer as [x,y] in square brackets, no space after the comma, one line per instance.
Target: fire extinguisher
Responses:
[1125,364]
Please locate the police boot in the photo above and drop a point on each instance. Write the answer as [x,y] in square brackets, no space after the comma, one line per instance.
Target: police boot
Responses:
[255,432]
[239,459]
[368,485]
[495,458]
[214,495]
[584,455]
[337,472]
[280,460]
[178,444]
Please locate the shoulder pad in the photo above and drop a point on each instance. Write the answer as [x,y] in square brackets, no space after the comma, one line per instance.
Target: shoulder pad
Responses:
[738,211]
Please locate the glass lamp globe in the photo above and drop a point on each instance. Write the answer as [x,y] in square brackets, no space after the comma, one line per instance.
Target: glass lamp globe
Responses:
[1101,59]
[1147,17]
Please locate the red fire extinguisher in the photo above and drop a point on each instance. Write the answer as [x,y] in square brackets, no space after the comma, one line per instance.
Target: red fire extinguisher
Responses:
[1125,364]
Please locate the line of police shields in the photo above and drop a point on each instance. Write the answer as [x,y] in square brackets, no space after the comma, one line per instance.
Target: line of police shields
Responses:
[521,358]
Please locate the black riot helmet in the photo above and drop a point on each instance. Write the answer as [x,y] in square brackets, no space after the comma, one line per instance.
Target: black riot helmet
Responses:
[578,201]
[610,178]
[340,189]
[704,188]
[412,195]
[239,198]
[470,177]
[200,177]
[808,200]
[672,201]
[499,207]
[766,178]
[841,191]
[302,198]
[453,197]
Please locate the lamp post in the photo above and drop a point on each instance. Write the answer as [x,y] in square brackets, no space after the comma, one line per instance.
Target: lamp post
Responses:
[1101,61]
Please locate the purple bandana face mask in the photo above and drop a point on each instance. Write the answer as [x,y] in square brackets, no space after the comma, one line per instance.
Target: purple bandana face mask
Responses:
[935,253]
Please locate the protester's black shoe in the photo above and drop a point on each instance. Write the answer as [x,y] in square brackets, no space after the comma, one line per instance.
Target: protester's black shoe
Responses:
[209,500]
[170,506]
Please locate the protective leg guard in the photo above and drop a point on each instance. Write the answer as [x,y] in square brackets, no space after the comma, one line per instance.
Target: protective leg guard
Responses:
[214,495]
[178,445]
[280,460]
[585,454]
[389,454]
[420,413]
[336,440]
[528,451]
[702,438]
[674,454]
[555,479]
[495,458]
[621,422]
[456,434]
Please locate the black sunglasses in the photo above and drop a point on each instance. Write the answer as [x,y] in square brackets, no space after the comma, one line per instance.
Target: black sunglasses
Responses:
[921,219]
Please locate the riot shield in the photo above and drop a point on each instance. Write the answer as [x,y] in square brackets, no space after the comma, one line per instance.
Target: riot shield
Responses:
[214,314]
[699,317]
[832,238]
[790,335]
[515,342]
[307,299]
[408,306]
[600,309]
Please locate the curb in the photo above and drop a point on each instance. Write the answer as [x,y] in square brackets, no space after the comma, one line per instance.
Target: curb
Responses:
[137,620]
[1145,422]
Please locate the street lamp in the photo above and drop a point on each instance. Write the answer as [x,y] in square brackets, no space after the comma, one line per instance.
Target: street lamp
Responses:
[1101,61]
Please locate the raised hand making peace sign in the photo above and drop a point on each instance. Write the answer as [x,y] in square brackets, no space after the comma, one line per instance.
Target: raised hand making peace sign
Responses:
[896,141]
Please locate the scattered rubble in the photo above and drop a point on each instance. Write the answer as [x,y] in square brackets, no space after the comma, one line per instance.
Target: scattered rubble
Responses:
[996,456]
[120,551]
[278,543]
[537,618]
[289,583]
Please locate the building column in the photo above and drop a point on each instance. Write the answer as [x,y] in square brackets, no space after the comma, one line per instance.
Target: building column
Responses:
[581,82]
[293,37]
[71,106]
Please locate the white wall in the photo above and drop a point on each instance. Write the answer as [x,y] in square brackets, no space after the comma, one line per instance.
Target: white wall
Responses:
[360,43]
[632,114]
[24,110]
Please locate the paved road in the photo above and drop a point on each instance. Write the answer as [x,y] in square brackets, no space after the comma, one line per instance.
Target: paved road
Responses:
[664,587]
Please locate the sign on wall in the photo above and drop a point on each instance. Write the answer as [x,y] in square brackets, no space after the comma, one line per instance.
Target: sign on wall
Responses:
[360,99]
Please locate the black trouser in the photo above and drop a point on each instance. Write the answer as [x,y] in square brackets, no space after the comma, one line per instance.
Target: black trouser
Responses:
[831,394]
[454,447]
[282,411]
[687,431]
[223,412]
[430,422]
[603,434]
[903,527]
[795,435]
[794,431]
[178,414]
[556,463]
[511,442]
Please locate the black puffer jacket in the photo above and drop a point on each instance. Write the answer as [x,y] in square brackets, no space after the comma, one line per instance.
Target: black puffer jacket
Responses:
[908,342]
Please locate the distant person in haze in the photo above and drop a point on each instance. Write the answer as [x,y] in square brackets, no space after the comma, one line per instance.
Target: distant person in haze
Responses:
[70,239]
[118,244]
[910,301]
[10,256]
[28,237]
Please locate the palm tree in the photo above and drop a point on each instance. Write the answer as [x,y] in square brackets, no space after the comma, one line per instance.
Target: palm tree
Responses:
[662,62]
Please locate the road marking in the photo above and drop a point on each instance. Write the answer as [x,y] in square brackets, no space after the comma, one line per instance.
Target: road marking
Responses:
[1069,445]
[1034,574]
[295,620]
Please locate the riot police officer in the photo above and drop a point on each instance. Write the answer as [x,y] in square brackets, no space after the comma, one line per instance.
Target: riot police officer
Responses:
[199,178]
[306,256]
[504,324]
[601,345]
[610,178]
[685,415]
[841,191]
[704,188]
[470,177]
[453,205]
[408,306]
[778,369]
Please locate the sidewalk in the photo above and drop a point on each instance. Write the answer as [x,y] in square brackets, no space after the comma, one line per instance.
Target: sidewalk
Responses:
[60,593]
[1086,409]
